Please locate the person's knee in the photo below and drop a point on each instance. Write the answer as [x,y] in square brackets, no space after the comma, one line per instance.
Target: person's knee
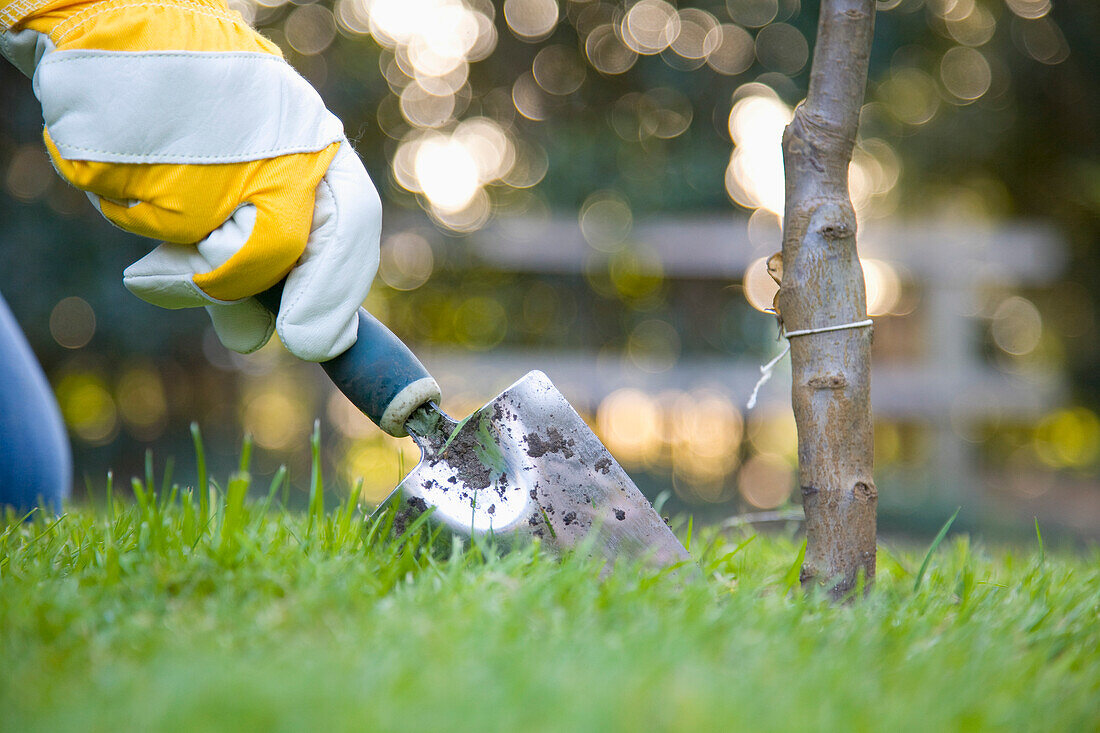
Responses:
[35,460]
[37,470]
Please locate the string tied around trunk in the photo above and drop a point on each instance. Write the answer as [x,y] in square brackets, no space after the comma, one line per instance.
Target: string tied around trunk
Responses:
[767,369]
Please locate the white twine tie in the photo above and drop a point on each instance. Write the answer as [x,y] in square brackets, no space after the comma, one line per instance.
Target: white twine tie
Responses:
[767,369]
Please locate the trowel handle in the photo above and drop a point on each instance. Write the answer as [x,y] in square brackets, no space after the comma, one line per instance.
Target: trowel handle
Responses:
[379,374]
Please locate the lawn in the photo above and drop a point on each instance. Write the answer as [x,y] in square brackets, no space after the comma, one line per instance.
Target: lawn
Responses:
[231,613]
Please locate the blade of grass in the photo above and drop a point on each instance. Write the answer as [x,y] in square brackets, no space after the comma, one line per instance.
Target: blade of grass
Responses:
[888,557]
[1039,536]
[790,579]
[276,481]
[200,466]
[316,488]
[166,482]
[715,564]
[139,494]
[150,478]
[110,493]
[935,543]
[246,453]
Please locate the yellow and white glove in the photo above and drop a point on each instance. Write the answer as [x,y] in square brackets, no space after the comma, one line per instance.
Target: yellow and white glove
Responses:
[185,125]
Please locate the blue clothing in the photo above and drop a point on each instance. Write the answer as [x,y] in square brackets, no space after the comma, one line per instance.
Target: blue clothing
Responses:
[35,458]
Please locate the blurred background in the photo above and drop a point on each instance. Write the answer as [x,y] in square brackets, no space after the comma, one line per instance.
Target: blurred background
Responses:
[590,188]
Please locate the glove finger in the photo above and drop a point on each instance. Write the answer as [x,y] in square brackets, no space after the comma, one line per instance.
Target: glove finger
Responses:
[220,245]
[164,277]
[317,319]
[246,326]
[243,327]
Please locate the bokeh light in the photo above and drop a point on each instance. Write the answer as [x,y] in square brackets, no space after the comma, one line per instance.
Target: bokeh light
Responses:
[653,346]
[974,29]
[758,285]
[528,98]
[406,261]
[429,46]
[447,172]
[705,432]
[629,422]
[87,406]
[452,169]
[142,401]
[1017,326]
[883,286]
[72,323]
[873,177]
[650,26]
[310,29]
[765,481]
[380,462]
[735,51]
[752,13]
[606,220]
[480,322]
[965,73]
[773,433]
[754,177]
[1068,438]
[782,47]
[274,411]
[911,96]
[422,108]
[606,51]
[1043,40]
[531,20]
[29,173]
[636,273]
[1029,9]
[348,419]
[700,35]
[559,70]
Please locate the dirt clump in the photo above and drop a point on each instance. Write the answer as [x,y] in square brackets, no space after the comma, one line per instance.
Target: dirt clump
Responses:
[413,508]
[461,456]
[554,442]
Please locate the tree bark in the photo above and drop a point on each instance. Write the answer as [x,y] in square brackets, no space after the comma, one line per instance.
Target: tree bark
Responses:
[822,285]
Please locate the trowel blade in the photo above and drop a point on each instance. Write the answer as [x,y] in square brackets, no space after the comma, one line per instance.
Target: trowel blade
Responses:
[527,466]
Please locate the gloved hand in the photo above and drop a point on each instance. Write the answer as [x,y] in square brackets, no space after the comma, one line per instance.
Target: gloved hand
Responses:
[183,124]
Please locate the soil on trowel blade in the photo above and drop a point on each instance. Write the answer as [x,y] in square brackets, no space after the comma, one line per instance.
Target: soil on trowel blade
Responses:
[413,508]
[554,442]
[461,457]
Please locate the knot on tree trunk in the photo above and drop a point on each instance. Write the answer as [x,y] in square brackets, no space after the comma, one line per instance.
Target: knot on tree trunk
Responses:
[837,230]
[865,493]
[828,381]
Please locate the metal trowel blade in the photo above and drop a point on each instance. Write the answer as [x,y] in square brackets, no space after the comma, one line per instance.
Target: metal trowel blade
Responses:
[527,466]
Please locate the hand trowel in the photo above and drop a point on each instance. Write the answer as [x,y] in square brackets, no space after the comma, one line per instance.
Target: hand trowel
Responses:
[523,466]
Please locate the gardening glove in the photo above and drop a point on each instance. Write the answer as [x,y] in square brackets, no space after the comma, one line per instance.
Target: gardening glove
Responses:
[185,125]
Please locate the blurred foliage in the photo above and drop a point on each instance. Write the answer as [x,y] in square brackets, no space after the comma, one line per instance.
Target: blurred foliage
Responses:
[470,111]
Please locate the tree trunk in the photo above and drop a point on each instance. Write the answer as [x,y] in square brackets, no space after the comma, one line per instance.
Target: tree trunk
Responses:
[822,285]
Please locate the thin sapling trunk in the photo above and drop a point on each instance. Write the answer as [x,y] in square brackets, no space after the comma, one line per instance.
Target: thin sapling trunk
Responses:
[822,286]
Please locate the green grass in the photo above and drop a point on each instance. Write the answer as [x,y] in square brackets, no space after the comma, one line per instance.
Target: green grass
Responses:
[171,611]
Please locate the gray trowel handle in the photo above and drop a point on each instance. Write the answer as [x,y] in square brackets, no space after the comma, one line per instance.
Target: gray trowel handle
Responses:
[379,374]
